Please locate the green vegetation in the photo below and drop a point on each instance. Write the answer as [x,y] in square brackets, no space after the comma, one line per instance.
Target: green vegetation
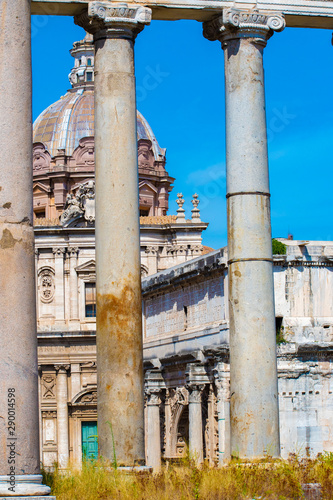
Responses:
[280,338]
[278,479]
[278,247]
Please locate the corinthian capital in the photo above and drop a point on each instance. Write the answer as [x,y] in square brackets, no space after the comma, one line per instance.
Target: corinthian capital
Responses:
[235,23]
[114,20]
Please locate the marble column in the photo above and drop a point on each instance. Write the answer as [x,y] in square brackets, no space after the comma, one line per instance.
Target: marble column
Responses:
[19,455]
[222,382]
[154,429]
[62,415]
[254,403]
[74,313]
[195,423]
[118,272]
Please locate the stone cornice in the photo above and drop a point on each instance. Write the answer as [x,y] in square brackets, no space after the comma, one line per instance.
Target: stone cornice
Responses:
[235,23]
[105,20]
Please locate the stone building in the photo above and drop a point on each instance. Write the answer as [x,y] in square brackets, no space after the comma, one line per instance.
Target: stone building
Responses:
[185,304]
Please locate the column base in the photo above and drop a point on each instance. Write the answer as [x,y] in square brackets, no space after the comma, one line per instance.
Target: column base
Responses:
[24,486]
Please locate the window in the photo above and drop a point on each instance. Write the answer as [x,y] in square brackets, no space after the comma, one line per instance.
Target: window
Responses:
[89,76]
[185,317]
[89,62]
[90,300]
[144,212]
[40,214]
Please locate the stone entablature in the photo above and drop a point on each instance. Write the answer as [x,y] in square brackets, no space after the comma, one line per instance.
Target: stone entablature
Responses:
[299,13]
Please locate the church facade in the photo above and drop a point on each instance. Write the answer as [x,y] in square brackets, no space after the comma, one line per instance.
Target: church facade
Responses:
[185,305]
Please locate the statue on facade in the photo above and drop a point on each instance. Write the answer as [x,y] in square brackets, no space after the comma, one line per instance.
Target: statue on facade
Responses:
[80,205]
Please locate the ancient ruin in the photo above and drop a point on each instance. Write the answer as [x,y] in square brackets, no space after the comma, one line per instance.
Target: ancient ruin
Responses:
[254,424]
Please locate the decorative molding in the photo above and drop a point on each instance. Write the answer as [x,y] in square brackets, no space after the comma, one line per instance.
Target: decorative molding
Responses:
[114,21]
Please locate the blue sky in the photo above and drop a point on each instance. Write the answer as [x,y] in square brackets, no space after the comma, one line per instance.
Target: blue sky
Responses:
[184,104]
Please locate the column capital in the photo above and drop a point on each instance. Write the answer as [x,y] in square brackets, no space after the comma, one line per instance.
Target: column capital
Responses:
[73,251]
[61,368]
[105,20]
[235,24]
[153,396]
[58,251]
[195,392]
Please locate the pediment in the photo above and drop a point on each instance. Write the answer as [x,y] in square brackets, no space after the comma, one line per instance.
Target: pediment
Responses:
[40,187]
[87,267]
[146,187]
[86,397]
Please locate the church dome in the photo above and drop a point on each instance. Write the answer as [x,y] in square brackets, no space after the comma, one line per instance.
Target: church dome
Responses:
[64,123]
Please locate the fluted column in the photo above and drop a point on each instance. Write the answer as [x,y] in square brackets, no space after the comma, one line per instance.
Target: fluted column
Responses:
[119,320]
[74,313]
[195,423]
[154,429]
[254,404]
[62,415]
[19,433]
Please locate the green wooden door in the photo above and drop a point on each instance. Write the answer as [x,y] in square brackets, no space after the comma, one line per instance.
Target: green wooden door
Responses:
[89,441]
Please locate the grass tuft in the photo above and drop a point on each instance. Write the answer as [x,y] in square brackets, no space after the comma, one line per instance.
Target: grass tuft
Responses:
[268,479]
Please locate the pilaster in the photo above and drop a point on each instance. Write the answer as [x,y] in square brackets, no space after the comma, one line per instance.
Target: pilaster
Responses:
[59,278]
[73,255]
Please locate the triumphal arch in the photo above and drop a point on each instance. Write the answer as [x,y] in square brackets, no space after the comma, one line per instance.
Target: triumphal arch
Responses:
[243,28]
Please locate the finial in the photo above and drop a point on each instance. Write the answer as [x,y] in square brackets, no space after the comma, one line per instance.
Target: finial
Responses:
[180,212]
[195,211]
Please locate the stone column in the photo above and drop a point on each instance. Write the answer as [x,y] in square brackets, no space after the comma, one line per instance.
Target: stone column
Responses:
[222,382]
[254,403]
[154,429]
[62,415]
[59,275]
[19,455]
[118,273]
[195,423]
[168,423]
[74,314]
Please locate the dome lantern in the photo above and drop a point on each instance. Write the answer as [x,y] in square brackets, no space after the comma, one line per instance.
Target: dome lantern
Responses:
[82,75]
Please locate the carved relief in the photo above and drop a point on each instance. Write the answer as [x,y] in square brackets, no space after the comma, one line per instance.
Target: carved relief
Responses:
[46,284]
[48,386]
